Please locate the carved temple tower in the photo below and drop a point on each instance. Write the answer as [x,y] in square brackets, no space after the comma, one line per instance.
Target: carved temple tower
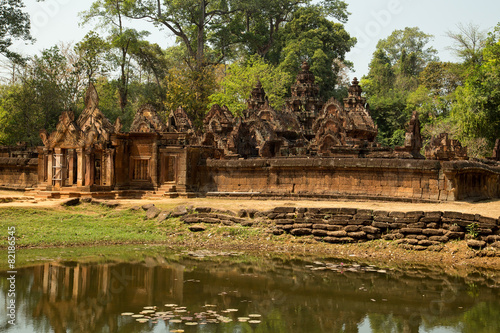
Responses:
[78,154]
[305,101]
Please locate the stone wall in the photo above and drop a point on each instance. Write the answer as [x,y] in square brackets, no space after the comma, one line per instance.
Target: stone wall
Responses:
[420,180]
[18,173]
[416,230]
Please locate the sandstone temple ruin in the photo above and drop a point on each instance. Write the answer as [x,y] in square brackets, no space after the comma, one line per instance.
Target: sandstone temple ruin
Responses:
[310,148]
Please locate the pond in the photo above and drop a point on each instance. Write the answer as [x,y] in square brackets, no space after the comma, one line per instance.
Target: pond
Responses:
[232,292]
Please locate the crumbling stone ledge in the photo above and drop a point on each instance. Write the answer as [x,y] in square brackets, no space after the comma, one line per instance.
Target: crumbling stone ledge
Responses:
[416,230]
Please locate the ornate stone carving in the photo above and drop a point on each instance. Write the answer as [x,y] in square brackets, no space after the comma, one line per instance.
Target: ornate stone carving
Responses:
[362,127]
[118,125]
[413,139]
[305,101]
[179,121]
[496,150]
[146,120]
[444,149]
[257,98]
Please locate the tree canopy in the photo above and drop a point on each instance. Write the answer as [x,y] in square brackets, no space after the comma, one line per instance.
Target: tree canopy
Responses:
[15,24]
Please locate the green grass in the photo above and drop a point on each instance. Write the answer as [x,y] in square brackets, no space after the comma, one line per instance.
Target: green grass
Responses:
[84,224]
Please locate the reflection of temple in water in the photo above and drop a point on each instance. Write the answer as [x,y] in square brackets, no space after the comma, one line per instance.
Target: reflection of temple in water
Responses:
[79,297]
[87,298]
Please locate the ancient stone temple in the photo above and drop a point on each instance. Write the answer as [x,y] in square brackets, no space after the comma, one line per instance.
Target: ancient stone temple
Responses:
[89,156]
[309,148]
[79,153]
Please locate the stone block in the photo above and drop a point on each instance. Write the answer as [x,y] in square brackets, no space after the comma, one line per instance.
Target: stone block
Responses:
[197,227]
[455,228]
[484,219]
[301,232]
[393,236]
[426,242]
[381,225]
[357,234]
[416,225]
[433,214]
[163,216]
[320,233]
[320,226]
[442,239]
[152,212]
[415,231]
[203,209]
[433,232]
[455,235]
[210,220]
[281,210]
[370,230]
[329,211]
[400,215]
[359,222]
[493,238]
[191,219]
[352,228]
[384,219]
[414,214]
[284,221]
[347,211]
[476,244]
[340,233]
[335,227]
[380,213]
[302,226]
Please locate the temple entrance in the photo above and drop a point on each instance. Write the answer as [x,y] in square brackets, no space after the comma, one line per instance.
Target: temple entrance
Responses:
[169,169]
[64,168]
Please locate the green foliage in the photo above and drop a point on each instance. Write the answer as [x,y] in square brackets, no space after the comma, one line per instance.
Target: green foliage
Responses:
[45,88]
[241,77]
[477,109]
[473,229]
[15,24]
[410,46]
[392,84]
[311,36]
[190,89]
[92,54]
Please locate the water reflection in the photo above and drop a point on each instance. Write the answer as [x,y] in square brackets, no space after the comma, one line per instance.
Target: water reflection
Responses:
[290,296]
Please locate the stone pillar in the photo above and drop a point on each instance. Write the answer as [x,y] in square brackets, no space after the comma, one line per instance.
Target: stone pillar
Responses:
[110,168]
[80,167]
[58,168]
[50,171]
[71,167]
[154,164]
[89,168]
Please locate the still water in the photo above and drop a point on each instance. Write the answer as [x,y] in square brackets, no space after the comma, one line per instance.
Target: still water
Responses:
[238,293]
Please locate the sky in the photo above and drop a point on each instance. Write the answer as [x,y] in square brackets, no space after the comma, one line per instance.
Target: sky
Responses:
[56,21]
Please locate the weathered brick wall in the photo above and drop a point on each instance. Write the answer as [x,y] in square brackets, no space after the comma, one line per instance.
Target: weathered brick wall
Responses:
[416,230]
[18,173]
[369,178]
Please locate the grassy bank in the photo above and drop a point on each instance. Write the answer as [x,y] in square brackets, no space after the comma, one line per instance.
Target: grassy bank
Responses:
[93,225]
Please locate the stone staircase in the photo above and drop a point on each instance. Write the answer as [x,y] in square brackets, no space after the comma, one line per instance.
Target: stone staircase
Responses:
[166,190]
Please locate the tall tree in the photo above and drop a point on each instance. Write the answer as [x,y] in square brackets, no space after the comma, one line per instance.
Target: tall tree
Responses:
[188,20]
[311,36]
[241,78]
[111,15]
[92,51]
[15,24]
[408,47]
[393,78]
[36,101]
[468,42]
[477,110]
